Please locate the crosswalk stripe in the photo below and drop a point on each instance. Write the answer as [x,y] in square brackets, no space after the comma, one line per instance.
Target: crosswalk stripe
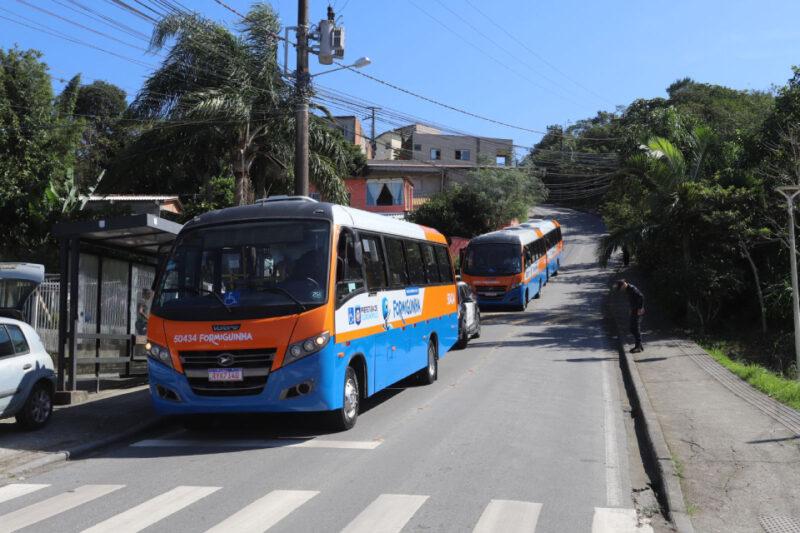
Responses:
[258,443]
[50,507]
[613,520]
[15,490]
[152,511]
[387,514]
[265,512]
[508,516]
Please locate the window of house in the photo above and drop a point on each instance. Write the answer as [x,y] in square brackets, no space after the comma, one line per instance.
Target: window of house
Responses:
[373,262]
[417,147]
[397,263]
[416,270]
[436,154]
[385,197]
[501,160]
[462,155]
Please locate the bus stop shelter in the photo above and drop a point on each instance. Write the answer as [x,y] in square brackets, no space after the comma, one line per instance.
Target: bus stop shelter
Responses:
[107,268]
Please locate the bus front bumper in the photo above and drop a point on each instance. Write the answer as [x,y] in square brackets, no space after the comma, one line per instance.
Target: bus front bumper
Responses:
[172,394]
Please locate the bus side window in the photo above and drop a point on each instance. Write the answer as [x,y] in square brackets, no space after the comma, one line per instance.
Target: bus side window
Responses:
[416,270]
[528,256]
[429,260]
[397,263]
[443,260]
[349,275]
[373,262]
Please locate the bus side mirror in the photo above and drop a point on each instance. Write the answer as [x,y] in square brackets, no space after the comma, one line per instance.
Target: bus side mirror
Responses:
[458,277]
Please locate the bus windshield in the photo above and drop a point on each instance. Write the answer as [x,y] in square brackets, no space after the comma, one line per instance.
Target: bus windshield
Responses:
[492,260]
[246,271]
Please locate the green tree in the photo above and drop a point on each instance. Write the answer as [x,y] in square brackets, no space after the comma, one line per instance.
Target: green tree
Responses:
[488,199]
[221,93]
[38,137]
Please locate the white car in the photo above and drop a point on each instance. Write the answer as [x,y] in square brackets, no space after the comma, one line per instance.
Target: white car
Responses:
[469,316]
[27,377]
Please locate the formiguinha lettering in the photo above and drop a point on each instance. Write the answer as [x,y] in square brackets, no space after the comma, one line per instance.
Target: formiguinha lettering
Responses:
[213,338]
[407,307]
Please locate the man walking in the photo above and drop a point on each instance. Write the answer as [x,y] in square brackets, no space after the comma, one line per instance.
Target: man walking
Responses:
[636,300]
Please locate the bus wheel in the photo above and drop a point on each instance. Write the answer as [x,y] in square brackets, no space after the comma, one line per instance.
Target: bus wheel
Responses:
[430,373]
[345,417]
[524,304]
[558,265]
[539,292]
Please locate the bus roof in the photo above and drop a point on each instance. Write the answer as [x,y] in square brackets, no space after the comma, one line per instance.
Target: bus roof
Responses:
[519,234]
[307,208]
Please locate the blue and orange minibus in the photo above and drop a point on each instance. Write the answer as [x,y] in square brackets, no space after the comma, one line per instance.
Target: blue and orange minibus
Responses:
[293,305]
[509,267]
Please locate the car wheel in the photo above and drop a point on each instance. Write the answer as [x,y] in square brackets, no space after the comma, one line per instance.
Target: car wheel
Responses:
[463,337]
[477,325]
[346,416]
[430,373]
[38,408]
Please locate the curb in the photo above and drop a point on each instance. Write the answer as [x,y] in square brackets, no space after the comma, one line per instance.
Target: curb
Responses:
[81,450]
[655,445]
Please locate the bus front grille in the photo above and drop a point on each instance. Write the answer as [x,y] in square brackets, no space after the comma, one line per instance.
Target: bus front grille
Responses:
[491,292]
[255,363]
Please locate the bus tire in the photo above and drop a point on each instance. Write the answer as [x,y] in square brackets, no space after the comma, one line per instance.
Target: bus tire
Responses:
[539,292]
[430,373]
[558,265]
[524,304]
[346,416]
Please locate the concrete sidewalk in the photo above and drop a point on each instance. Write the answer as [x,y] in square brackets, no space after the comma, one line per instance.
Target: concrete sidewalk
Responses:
[735,451]
[76,430]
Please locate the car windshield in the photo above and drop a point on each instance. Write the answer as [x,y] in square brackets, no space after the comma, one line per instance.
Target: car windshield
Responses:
[246,271]
[492,260]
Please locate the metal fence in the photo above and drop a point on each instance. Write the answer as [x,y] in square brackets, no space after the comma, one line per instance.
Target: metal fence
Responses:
[41,312]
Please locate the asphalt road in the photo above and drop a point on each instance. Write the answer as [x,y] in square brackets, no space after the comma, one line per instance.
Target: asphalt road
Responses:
[522,432]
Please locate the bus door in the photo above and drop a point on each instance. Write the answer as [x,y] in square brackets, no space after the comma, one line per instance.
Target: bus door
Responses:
[376,312]
[387,366]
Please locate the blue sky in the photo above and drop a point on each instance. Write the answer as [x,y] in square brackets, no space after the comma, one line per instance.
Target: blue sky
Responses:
[605,53]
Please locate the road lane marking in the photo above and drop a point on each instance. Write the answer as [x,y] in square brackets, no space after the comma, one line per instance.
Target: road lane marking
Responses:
[152,511]
[52,506]
[15,490]
[508,516]
[387,514]
[259,443]
[607,520]
[265,512]
[613,472]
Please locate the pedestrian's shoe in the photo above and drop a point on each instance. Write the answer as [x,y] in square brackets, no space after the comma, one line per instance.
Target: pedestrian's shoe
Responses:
[637,349]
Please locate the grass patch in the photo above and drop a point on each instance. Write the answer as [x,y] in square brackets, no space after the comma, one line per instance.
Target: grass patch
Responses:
[678,466]
[784,390]
[691,509]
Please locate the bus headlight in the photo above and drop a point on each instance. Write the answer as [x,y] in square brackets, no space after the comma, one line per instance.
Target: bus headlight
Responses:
[516,285]
[158,353]
[305,347]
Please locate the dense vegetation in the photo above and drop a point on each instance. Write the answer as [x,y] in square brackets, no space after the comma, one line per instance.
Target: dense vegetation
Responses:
[689,194]
[213,124]
[487,199]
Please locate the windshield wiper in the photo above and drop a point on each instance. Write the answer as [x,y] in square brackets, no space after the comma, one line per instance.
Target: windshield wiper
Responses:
[278,290]
[200,291]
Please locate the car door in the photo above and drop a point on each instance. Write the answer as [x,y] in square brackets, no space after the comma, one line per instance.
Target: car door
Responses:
[11,369]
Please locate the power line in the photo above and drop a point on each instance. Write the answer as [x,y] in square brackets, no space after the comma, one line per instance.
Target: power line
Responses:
[534,53]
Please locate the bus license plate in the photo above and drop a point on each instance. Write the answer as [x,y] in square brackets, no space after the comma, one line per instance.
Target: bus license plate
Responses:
[225,374]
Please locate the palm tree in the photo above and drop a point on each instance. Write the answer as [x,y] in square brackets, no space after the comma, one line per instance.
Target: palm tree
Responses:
[226,87]
[662,169]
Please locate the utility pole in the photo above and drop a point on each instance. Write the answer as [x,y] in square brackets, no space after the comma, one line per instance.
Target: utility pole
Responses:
[372,136]
[790,193]
[302,82]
